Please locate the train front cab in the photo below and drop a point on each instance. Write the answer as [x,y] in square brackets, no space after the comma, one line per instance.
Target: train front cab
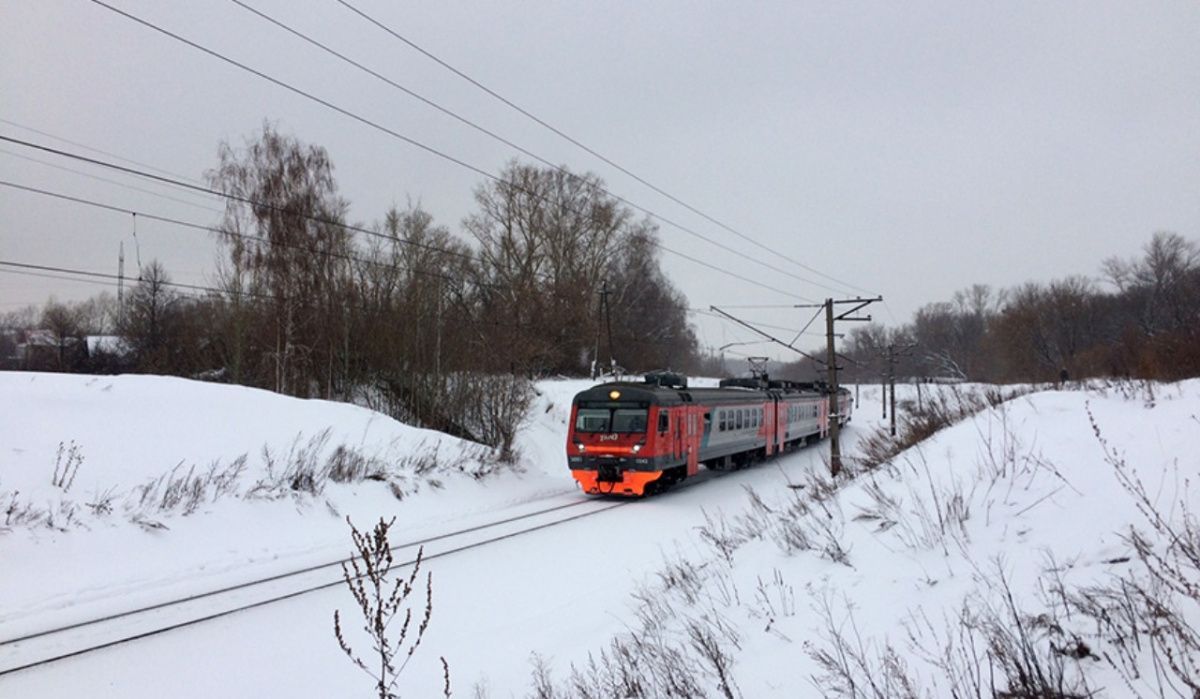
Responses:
[624,440]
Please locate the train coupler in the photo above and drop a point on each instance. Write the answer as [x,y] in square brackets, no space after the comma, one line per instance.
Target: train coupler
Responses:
[608,473]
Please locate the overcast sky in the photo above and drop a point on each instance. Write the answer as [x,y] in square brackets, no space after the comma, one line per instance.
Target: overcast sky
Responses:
[905,149]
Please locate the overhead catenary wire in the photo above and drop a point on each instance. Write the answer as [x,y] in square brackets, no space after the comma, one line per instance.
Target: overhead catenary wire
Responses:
[413,142]
[781,328]
[590,150]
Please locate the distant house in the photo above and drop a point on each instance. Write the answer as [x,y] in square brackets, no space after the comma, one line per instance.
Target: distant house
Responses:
[40,349]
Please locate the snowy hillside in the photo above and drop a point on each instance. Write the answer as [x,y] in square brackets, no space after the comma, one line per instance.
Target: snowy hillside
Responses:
[193,485]
[997,556]
[771,581]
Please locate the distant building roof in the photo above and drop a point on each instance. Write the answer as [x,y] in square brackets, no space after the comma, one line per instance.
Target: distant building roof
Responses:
[109,344]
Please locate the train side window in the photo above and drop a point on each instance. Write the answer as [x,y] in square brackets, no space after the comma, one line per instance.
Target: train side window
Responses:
[663,422]
[740,420]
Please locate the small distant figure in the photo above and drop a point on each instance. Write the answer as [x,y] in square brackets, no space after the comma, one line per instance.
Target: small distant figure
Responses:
[1063,377]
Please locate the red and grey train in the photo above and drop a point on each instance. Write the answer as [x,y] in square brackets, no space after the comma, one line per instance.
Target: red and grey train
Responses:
[635,439]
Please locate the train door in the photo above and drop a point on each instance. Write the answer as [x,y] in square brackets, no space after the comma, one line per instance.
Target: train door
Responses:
[693,442]
[677,444]
[769,423]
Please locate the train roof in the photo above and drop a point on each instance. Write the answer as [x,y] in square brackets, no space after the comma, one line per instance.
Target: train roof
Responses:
[645,392]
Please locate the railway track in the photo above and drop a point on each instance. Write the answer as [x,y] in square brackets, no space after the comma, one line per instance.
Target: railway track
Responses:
[51,645]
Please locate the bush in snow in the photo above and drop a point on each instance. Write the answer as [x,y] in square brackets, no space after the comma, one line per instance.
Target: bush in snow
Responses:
[484,408]
[66,469]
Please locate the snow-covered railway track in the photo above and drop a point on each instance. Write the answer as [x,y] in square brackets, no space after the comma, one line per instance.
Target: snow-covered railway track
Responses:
[51,645]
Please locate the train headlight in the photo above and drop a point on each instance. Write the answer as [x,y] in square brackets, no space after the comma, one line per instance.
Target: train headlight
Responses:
[581,447]
[613,395]
[636,448]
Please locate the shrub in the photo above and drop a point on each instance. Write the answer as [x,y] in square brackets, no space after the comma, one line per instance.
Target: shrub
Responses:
[382,600]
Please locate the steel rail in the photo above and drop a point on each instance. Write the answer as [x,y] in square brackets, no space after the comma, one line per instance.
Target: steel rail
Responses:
[295,593]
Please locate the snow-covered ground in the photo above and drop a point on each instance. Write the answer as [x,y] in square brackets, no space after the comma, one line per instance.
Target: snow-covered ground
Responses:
[1019,489]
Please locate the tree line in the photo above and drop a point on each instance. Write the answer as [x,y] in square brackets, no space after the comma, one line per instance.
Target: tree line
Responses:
[1140,318]
[396,312]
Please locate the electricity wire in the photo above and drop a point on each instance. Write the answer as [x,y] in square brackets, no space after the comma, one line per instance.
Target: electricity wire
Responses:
[588,149]
[332,222]
[413,142]
[521,149]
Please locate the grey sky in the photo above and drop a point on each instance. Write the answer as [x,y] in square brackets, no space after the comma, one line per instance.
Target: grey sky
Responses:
[910,149]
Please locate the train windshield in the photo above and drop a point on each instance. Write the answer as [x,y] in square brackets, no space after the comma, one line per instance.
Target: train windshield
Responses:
[609,420]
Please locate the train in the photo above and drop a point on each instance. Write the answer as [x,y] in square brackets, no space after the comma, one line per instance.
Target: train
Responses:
[633,438]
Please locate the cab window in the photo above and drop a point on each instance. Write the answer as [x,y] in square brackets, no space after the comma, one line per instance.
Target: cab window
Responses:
[663,422]
[629,420]
[609,420]
[592,420]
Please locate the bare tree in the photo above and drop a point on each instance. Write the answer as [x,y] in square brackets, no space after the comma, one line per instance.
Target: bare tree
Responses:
[286,243]
[150,321]
[548,240]
[63,323]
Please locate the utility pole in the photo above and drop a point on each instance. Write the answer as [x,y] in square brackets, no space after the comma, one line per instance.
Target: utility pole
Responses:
[120,286]
[601,314]
[905,350]
[835,410]
[612,360]
[883,393]
[892,382]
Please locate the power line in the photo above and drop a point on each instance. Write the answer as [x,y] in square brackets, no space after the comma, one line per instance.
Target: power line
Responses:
[97,150]
[425,147]
[198,226]
[591,151]
[525,151]
[112,277]
[331,222]
[112,182]
[234,197]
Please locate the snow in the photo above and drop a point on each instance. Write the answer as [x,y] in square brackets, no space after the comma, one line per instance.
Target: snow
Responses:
[561,592]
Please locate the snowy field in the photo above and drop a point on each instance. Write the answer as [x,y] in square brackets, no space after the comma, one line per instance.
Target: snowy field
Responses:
[746,580]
